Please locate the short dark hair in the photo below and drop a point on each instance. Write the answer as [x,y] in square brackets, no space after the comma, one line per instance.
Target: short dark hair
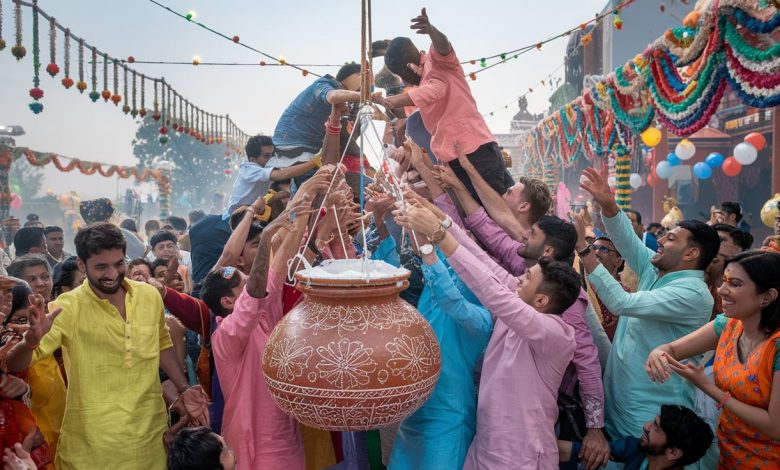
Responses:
[195,449]
[162,236]
[139,261]
[152,224]
[157,263]
[559,234]
[178,223]
[94,238]
[27,238]
[52,229]
[254,146]
[763,268]
[704,237]
[21,263]
[560,283]
[739,237]
[732,208]
[399,54]
[653,225]
[215,286]
[64,274]
[636,214]
[21,298]
[350,68]
[254,231]
[129,225]
[685,431]
[195,215]
[537,194]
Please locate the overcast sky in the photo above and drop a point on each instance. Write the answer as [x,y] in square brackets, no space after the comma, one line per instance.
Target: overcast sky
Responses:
[304,31]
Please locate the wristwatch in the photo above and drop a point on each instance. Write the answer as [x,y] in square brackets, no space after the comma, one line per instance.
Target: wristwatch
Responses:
[426,249]
[584,252]
[446,223]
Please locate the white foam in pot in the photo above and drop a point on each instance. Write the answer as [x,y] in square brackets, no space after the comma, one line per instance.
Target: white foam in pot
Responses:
[356,269]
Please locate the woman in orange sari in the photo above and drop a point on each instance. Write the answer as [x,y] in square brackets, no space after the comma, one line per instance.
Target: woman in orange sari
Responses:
[746,339]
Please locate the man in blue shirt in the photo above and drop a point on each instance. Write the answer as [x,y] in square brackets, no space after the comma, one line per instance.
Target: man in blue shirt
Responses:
[301,129]
[674,439]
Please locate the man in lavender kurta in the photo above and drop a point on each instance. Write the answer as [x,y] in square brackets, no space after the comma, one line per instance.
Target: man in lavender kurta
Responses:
[541,235]
[528,352]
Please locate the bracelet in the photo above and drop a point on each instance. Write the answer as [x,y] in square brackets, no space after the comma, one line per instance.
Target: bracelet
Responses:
[723,402]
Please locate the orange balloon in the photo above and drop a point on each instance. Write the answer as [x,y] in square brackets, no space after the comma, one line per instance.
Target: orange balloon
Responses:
[757,140]
[731,167]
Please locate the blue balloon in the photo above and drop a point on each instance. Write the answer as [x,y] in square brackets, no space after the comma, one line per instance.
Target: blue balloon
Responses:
[673,159]
[714,160]
[702,170]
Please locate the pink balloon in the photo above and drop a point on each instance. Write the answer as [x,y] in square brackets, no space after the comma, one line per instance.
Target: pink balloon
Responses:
[16,202]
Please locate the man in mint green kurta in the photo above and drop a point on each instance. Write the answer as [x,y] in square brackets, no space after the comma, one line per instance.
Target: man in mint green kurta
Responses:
[671,301]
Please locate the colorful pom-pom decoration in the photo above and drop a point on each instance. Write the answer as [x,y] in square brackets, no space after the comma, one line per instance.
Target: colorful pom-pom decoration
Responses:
[116,99]
[67,82]
[94,96]
[81,86]
[53,69]
[19,52]
[36,107]
[36,93]
[106,94]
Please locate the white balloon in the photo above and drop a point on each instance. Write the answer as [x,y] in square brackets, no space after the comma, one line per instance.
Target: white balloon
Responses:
[663,169]
[745,153]
[685,149]
[612,181]
[635,180]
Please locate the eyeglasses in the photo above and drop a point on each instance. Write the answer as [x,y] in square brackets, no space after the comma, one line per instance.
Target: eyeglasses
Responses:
[228,273]
[602,249]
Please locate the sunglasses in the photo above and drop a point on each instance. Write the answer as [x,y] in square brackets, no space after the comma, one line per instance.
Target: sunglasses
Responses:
[602,249]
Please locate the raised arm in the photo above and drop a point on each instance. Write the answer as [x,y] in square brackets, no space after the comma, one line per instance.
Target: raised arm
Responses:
[281,174]
[422,25]
[631,248]
[474,319]
[237,240]
[494,204]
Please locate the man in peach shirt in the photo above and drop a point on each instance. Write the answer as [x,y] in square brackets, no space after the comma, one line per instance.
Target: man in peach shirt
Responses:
[446,105]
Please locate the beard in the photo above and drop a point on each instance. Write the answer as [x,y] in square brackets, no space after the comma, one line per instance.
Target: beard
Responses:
[100,284]
[531,253]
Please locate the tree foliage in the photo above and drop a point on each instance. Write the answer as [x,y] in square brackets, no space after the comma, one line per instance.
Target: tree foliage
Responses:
[200,168]
[25,179]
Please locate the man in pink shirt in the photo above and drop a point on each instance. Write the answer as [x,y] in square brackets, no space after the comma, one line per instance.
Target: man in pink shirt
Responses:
[528,353]
[261,435]
[446,105]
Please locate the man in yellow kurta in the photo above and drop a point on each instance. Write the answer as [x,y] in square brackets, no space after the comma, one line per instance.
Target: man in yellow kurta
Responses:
[114,339]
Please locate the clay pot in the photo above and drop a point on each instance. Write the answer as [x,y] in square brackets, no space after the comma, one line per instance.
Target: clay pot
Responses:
[352,355]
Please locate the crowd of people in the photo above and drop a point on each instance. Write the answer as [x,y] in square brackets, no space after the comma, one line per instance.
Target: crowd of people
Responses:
[584,342]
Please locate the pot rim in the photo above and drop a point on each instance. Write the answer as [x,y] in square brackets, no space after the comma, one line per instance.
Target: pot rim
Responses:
[305,279]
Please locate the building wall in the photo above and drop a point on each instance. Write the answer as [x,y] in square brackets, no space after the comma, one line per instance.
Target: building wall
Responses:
[643,23]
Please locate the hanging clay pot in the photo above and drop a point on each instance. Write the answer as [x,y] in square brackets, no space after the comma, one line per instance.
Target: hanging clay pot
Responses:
[352,355]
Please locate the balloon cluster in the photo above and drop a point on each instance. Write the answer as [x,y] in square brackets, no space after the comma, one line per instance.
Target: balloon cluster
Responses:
[745,153]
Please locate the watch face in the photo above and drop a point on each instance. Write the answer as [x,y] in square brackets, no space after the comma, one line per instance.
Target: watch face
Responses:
[426,249]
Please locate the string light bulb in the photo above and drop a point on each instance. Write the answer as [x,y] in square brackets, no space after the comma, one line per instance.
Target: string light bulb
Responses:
[191,15]
[196,60]
[282,60]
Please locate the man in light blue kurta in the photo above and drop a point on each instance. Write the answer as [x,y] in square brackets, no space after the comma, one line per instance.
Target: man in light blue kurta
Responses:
[671,301]
[438,435]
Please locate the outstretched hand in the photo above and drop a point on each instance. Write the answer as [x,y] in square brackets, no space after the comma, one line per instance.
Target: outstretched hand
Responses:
[593,183]
[40,321]
[421,24]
